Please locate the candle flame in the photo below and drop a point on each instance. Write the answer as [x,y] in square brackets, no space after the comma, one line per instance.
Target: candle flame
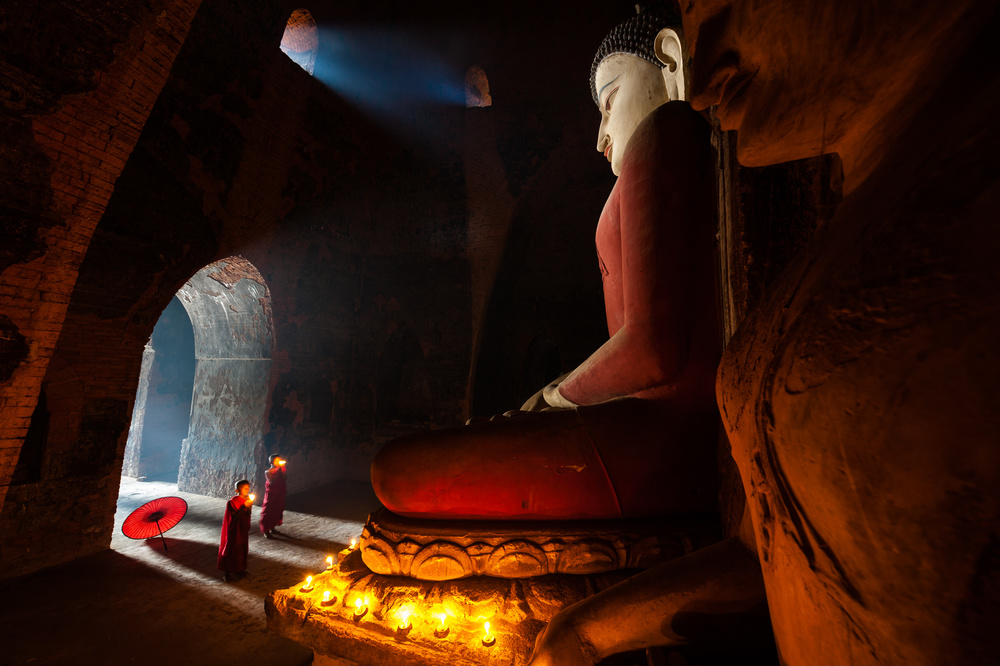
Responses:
[281,462]
[309,581]
[354,544]
[357,603]
[404,618]
[252,497]
[329,561]
[442,617]
[326,596]
[486,625]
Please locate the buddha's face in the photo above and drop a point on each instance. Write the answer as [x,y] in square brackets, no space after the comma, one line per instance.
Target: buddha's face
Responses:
[628,89]
[757,62]
[797,78]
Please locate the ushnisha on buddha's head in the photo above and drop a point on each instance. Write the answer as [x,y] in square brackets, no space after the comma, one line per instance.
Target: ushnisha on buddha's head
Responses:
[639,66]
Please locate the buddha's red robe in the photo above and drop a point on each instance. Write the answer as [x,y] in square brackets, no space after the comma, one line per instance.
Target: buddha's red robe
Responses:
[643,440]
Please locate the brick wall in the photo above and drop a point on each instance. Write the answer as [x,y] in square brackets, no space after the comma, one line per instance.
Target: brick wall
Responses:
[85,137]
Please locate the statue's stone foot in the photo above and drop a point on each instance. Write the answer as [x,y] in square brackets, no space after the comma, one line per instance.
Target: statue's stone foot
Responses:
[451,549]
[444,621]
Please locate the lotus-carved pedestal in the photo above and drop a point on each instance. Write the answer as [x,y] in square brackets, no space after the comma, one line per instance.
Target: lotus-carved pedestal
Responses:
[443,580]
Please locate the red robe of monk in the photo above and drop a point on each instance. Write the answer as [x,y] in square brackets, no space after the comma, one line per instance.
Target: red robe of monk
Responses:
[235,541]
[643,441]
[274,499]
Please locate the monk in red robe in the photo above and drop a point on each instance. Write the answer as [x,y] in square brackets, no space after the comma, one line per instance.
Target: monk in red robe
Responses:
[632,430]
[274,496]
[234,544]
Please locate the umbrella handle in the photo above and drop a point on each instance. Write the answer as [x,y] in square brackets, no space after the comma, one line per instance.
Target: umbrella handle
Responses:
[161,535]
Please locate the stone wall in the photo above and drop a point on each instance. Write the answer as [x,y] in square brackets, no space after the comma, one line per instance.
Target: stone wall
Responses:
[79,80]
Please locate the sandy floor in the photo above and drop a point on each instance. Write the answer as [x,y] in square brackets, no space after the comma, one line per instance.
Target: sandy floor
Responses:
[139,604]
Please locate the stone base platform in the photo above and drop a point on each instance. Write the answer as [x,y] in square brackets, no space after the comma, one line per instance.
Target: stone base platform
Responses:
[441,550]
[517,610]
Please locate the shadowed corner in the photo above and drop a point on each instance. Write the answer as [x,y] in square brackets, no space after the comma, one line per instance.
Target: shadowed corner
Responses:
[101,608]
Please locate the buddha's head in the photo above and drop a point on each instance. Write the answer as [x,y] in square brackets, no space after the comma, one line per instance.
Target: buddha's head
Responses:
[639,66]
[798,78]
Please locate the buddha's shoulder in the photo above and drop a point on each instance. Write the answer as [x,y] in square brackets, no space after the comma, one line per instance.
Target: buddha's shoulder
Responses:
[671,130]
[676,119]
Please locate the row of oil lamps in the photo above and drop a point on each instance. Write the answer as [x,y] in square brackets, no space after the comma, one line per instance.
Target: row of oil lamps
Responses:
[361,608]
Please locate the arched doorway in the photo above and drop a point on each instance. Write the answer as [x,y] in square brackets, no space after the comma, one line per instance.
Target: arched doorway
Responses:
[162,409]
[228,306]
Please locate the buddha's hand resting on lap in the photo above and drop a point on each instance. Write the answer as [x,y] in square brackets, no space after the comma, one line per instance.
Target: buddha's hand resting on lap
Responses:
[548,398]
[510,413]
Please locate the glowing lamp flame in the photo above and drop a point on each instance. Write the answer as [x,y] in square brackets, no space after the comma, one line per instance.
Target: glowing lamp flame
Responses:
[404,618]
[326,597]
[488,638]
[329,562]
[252,497]
[281,462]
[357,603]
[442,617]
[354,544]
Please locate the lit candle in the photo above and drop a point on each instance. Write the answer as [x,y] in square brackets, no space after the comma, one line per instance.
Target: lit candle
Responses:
[354,544]
[252,497]
[326,598]
[404,619]
[488,638]
[360,608]
[281,463]
[329,562]
[309,584]
[442,629]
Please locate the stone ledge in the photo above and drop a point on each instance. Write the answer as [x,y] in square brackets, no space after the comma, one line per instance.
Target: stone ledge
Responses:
[440,550]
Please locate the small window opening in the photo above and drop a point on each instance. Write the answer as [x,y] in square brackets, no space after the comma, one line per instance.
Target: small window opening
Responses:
[477,88]
[301,39]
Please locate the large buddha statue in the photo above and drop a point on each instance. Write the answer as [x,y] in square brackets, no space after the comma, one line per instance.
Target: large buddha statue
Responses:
[632,430]
[861,395]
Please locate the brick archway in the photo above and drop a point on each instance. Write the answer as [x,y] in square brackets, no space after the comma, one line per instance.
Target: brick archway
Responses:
[229,305]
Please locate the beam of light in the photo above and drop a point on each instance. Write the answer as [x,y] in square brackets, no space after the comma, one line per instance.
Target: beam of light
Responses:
[387,70]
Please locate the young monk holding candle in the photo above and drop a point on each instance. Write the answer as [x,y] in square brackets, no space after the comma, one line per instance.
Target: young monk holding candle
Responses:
[274,496]
[234,544]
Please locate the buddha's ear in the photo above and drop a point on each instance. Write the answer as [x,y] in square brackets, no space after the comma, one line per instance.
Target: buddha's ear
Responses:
[668,48]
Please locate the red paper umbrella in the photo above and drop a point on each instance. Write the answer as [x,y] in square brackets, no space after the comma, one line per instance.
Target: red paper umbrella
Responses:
[155,517]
